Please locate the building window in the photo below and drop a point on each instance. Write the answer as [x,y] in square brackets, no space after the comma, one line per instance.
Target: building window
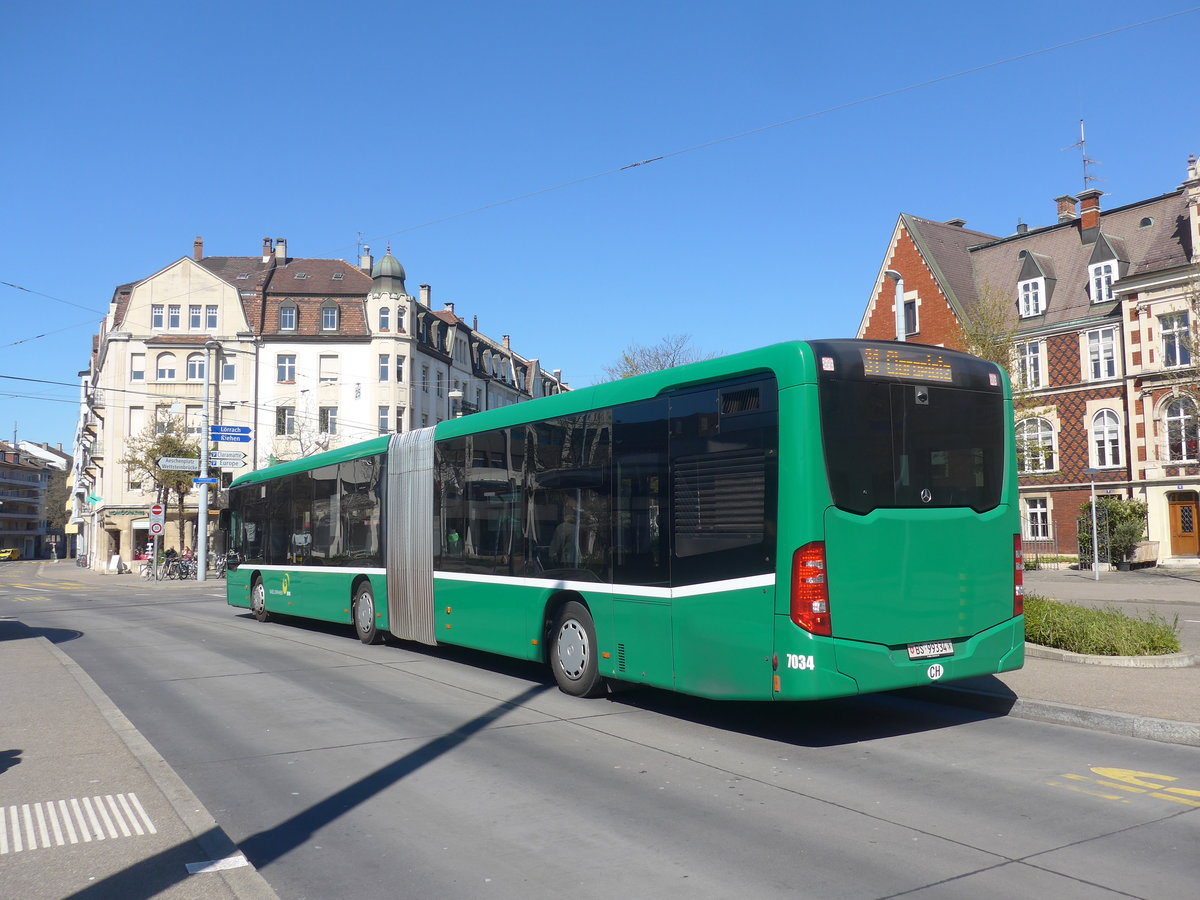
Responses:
[1101,276]
[195,367]
[1031,296]
[285,420]
[194,318]
[137,367]
[1035,446]
[228,370]
[399,369]
[287,318]
[210,317]
[156,316]
[328,369]
[399,418]
[165,368]
[425,379]
[329,318]
[910,317]
[327,420]
[192,419]
[285,368]
[384,318]
[1176,340]
[1029,365]
[1037,519]
[173,317]
[384,418]
[1102,359]
[440,387]
[1183,430]
[1106,439]
[385,366]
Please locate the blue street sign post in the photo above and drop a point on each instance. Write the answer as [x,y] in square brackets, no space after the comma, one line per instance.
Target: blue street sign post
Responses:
[230,438]
[231,433]
[204,481]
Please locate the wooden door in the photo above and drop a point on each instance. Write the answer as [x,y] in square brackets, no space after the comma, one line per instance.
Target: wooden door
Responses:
[1185,530]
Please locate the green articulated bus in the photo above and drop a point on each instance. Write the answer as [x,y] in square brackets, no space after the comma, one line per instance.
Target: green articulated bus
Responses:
[808,520]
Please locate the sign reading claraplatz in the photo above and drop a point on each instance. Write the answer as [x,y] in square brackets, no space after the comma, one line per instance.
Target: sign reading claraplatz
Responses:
[226,454]
[179,463]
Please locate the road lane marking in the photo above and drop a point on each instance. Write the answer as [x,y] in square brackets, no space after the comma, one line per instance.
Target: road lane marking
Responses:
[218,865]
[33,826]
[1131,781]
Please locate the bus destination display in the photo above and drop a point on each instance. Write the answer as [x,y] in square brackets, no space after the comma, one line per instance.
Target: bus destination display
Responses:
[891,362]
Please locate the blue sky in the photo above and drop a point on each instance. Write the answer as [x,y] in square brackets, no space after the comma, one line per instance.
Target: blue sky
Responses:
[133,127]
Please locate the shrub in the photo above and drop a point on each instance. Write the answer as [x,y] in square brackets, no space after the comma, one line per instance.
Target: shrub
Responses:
[1099,632]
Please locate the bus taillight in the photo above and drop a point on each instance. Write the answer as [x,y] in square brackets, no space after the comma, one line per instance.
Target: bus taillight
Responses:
[810,590]
[1018,577]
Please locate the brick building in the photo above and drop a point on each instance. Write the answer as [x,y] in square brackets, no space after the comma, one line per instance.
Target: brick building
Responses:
[1103,306]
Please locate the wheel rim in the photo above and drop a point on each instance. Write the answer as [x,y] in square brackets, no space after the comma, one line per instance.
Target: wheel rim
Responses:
[572,648]
[258,598]
[364,611]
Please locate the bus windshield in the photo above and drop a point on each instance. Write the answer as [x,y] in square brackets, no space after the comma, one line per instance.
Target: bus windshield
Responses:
[896,445]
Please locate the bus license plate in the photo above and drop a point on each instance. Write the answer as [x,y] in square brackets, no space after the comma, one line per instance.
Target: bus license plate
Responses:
[930,650]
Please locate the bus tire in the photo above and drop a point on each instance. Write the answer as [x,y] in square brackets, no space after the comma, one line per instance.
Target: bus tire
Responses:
[573,652]
[258,601]
[364,614]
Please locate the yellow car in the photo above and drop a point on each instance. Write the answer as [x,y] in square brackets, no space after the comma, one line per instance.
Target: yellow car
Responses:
[10,553]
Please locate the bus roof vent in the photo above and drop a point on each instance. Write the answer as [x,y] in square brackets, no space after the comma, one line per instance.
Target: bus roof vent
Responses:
[739,401]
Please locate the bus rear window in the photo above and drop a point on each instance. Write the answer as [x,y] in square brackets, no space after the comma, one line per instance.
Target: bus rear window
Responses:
[890,445]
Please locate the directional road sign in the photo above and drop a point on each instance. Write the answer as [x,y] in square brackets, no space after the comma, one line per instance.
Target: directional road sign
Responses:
[226,454]
[179,463]
[230,438]
[204,481]
[228,429]
[229,464]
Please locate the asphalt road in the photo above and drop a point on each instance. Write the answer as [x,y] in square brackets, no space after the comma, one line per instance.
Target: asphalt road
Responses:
[390,771]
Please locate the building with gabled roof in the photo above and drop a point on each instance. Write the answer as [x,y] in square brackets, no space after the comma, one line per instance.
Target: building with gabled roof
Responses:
[306,354]
[1103,306]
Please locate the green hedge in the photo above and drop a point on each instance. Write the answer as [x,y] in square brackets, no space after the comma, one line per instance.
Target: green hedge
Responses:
[1097,632]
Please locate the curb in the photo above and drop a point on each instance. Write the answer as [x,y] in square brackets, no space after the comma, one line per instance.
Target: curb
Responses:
[1165,661]
[1163,730]
[245,882]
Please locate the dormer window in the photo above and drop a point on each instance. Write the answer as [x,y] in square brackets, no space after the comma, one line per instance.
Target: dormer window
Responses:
[338,276]
[287,317]
[329,316]
[300,276]
[1030,294]
[1101,276]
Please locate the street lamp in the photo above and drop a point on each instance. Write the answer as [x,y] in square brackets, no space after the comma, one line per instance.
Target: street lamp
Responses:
[454,402]
[899,279]
[1095,535]
[202,512]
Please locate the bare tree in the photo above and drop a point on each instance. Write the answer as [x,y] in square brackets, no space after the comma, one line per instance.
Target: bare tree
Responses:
[673,350]
[166,436]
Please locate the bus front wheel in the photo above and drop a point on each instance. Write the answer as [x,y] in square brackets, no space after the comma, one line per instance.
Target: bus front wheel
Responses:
[258,601]
[364,614]
[573,652]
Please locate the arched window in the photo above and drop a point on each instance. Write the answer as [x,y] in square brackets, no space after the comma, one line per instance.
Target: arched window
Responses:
[1035,445]
[399,318]
[165,367]
[1183,430]
[1106,439]
[385,316]
[195,367]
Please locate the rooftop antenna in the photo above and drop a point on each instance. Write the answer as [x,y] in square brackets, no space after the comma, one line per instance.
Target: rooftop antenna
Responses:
[360,245]
[1082,145]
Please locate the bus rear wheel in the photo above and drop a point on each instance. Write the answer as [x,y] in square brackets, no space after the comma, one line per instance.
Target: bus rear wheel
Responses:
[573,652]
[364,614]
[258,601]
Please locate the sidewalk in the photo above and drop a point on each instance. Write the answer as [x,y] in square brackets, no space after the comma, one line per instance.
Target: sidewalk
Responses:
[88,808]
[1148,697]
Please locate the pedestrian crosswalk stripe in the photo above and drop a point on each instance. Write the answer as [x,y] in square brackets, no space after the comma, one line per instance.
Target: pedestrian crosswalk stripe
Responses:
[56,823]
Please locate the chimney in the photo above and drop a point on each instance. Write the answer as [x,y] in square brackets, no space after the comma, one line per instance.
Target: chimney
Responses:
[558,375]
[198,248]
[1089,209]
[281,249]
[267,250]
[507,344]
[426,292]
[475,323]
[365,262]
[1066,208]
[1022,228]
[449,307]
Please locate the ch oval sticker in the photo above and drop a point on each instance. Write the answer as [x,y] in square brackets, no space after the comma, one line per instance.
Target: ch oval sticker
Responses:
[935,672]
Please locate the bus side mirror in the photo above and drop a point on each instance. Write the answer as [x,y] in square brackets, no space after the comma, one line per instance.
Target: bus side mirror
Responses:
[223,520]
